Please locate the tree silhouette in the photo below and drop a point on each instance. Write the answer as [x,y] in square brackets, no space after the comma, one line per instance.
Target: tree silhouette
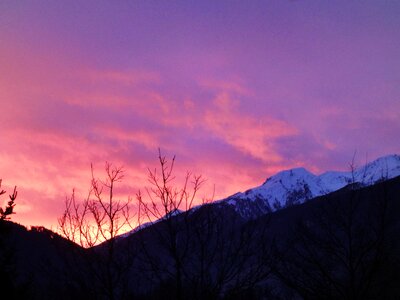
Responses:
[8,276]
[203,252]
[6,213]
[100,218]
[166,203]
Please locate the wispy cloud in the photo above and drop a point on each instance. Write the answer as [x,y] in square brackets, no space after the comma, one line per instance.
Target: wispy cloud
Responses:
[236,93]
[251,135]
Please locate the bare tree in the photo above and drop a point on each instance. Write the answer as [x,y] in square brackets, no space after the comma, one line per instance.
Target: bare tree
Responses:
[203,252]
[165,203]
[100,218]
[180,250]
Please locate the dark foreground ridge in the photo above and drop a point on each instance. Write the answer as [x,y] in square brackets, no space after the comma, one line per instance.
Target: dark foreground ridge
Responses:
[343,245]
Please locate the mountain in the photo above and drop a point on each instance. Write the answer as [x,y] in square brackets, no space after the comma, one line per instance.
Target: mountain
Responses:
[212,252]
[286,254]
[33,260]
[295,186]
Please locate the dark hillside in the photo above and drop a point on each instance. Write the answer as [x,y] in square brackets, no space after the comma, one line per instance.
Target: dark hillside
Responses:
[340,246]
[33,262]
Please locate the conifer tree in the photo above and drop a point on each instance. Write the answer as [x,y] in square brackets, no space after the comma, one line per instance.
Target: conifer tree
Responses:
[9,209]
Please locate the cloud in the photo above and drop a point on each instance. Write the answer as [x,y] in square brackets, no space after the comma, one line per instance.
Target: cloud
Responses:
[251,135]
[235,98]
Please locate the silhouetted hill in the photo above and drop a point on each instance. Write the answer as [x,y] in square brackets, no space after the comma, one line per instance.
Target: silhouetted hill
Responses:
[341,245]
[245,257]
[34,261]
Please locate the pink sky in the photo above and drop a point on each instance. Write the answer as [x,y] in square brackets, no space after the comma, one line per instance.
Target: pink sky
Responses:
[237,90]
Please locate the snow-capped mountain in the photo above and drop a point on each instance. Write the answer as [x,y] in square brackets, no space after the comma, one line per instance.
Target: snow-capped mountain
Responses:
[295,186]
[298,185]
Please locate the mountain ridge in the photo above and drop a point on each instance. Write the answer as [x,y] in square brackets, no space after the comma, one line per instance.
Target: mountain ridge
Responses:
[295,186]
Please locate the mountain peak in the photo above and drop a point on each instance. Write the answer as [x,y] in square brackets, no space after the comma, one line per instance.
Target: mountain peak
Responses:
[295,186]
[291,173]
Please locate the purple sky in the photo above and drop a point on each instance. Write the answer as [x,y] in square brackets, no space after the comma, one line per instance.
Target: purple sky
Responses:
[236,89]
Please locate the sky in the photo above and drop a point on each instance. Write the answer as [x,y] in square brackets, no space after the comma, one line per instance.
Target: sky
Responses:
[237,90]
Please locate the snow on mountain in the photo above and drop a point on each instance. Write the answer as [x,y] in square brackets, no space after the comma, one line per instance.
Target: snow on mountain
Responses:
[295,186]
[298,185]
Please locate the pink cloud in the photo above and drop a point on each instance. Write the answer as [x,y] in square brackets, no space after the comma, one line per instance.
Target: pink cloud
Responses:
[249,134]
[236,96]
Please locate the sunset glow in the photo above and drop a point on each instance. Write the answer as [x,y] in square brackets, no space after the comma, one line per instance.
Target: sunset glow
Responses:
[236,90]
